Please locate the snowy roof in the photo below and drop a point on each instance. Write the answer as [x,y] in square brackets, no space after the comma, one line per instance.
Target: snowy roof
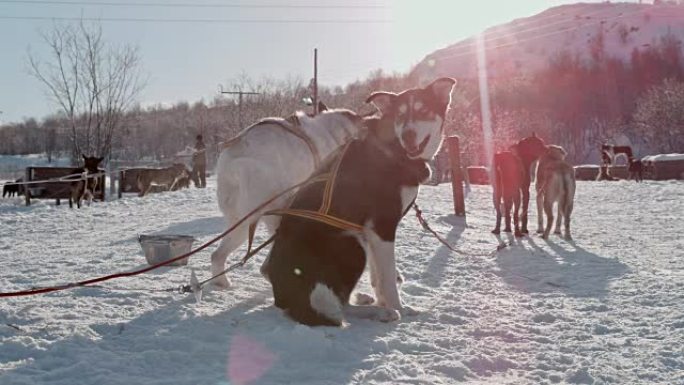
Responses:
[663,157]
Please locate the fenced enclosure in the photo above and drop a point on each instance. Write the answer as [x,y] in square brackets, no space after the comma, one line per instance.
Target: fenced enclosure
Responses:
[60,188]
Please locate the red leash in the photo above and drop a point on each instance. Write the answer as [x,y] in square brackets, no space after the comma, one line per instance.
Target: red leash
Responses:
[43,290]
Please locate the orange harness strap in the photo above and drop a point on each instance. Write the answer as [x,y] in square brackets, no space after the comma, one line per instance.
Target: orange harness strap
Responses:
[319,217]
[294,128]
[322,214]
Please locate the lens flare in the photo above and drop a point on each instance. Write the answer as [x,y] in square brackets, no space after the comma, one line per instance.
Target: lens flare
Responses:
[248,360]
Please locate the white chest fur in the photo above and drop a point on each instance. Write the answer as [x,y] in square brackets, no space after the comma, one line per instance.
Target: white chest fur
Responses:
[408,195]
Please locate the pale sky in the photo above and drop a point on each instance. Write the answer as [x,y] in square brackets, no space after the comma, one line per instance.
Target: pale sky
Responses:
[187,60]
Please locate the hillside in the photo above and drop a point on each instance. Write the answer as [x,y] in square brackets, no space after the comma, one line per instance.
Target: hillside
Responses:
[526,45]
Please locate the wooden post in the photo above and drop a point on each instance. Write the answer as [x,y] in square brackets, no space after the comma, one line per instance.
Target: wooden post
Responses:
[456,175]
[27,178]
[122,177]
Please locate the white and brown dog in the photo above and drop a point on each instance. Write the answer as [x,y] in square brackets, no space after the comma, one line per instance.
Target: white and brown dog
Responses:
[314,265]
[555,182]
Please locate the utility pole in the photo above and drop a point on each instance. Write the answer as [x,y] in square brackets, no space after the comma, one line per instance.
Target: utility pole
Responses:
[315,83]
[239,93]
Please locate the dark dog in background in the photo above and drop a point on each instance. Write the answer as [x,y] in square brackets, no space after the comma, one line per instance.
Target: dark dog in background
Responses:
[12,189]
[85,187]
[509,175]
[636,170]
[183,182]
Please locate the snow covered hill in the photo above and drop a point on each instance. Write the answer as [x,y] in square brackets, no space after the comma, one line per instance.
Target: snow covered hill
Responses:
[605,309]
[526,45]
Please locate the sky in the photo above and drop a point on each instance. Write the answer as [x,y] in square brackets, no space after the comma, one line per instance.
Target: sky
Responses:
[186,59]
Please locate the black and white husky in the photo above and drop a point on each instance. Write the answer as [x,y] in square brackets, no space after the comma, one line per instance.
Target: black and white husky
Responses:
[314,266]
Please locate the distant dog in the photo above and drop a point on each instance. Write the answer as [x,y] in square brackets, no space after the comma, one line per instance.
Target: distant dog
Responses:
[85,187]
[169,177]
[609,153]
[636,170]
[509,175]
[10,189]
[555,183]
[182,183]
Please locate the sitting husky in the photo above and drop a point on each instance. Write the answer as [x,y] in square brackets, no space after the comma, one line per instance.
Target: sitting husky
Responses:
[555,183]
[350,217]
[85,187]
[168,176]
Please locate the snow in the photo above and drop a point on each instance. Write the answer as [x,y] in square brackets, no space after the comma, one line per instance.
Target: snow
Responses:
[663,157]
[606,308]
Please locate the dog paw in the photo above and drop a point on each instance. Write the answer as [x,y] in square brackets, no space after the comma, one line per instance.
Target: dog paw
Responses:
[540,231]
[568,237]
[364,299]
[496,231]
[388,315]
[507,230]
[519,234]
[557,232]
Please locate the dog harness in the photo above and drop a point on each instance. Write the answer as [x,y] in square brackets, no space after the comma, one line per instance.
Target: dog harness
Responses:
[291,125]
[323,213]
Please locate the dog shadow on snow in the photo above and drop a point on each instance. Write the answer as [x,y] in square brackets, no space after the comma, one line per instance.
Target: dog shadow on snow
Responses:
[532,264]
[250,342]
[425,264]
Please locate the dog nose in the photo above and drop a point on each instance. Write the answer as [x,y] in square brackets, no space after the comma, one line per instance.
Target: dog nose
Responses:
[409,138]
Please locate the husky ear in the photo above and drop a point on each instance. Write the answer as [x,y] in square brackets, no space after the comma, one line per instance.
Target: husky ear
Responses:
[322,107]
[382,100]
[100,159]
[84,156]
[441,88]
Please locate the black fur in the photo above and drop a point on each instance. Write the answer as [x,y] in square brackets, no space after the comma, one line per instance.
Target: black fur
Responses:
[367,188]
[10,189]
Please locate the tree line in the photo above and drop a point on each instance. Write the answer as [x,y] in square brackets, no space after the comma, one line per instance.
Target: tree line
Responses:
[576,102]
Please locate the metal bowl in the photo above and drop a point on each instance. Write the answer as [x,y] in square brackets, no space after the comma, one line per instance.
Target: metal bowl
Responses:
[160,248]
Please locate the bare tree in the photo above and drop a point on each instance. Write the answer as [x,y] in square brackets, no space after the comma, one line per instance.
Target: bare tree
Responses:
[92,82]
[659,117]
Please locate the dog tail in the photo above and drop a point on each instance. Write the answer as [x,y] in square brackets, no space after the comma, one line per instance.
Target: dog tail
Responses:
[497,185]
[568,179]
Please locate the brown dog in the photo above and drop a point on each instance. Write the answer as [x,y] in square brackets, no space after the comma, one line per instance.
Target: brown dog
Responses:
[85,187]
[555,183]
[509,175]
[169,177]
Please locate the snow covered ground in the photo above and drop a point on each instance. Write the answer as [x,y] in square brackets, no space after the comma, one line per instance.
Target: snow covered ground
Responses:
[605,309]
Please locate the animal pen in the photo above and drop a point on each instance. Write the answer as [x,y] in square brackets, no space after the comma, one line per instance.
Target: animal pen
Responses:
[56,183]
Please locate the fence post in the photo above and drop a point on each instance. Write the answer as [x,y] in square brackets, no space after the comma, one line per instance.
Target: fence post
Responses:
[27,193]
[456,175]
